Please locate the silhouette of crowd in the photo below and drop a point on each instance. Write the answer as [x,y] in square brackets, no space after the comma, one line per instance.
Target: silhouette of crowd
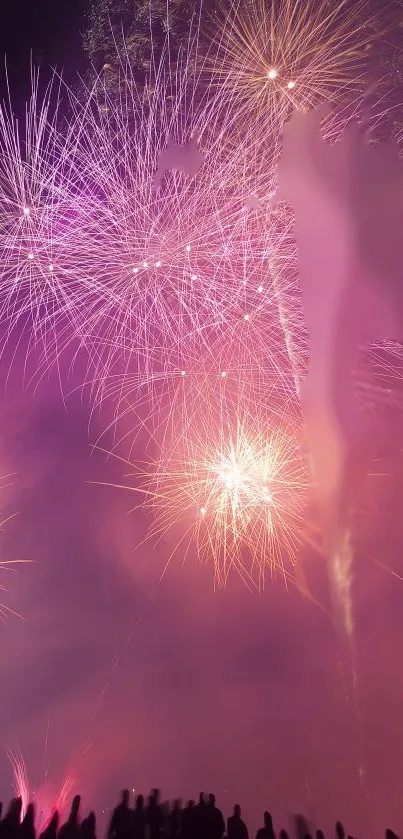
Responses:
[153,820]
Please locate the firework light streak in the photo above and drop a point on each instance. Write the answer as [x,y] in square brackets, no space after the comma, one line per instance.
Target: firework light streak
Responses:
[8,565]
[46,800]
[39,288]
[20,777]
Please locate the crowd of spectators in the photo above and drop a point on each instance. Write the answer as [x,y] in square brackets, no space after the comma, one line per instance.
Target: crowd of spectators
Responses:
[152,819]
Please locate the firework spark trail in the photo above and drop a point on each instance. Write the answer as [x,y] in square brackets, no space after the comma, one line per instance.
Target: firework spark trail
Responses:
[6,611]
[8,565]
[20,777]
[31,204]
[341,565]
[46,800]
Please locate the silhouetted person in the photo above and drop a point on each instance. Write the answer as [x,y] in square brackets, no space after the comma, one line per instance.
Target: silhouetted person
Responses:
[165,809]
[174,819]
[188,821]
[88,827]
[236,827]
[283,834]
[139,820]
[267,831]
[155,816]
[301,826]
[340,832]
[50,831]
[71,828]
[390,834]
[121,821]
[10,825]
[215,820]
[28,824]
[320,834]
[200,818]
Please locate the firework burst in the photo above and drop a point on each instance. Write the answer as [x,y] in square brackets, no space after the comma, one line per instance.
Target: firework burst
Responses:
[178,269]
[146,281]
[270,58]
[228,488]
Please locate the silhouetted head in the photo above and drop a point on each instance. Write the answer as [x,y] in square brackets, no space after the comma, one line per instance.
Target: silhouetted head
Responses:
[54,822]
[320,834]
[140,802]
[301,825]
[268,821]
[340,832]
[154,797]
[13,815]
[29,818]
[125,797]
[201,798]
[52,827]
[73,817]
[390,834]
[177,804]
[91,823]
[211,799]
[237,811]
[284,834]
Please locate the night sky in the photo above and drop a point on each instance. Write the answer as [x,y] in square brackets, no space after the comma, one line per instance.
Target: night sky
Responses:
[242,694]
[48,31]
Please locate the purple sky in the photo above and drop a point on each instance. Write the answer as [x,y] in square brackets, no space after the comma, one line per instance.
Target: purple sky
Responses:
[231,692]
